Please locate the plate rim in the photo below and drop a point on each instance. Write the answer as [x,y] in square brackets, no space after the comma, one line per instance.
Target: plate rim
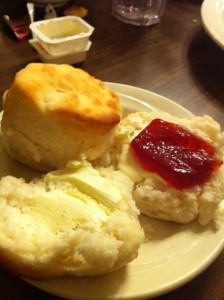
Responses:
[205,11]
[158,100]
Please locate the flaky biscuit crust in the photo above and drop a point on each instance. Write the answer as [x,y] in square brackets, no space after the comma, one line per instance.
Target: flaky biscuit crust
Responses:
[55,113]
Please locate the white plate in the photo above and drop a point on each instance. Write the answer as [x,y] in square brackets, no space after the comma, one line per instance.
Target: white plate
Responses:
[175,254]
[212,13]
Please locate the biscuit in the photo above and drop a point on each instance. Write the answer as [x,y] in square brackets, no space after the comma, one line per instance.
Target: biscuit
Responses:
[54,113]
[153,196]
[52,227]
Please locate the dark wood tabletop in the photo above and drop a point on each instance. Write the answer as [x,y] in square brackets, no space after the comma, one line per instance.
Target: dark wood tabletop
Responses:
[175,58]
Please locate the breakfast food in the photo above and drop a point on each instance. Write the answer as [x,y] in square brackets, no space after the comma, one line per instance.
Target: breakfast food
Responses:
[54,113]
[196,189]
[82,219]
[74,221]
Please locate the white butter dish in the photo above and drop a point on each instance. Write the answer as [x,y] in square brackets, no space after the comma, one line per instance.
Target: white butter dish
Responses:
[68,58]
[62,35]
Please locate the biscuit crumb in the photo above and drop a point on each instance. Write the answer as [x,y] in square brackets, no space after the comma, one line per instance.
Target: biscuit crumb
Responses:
[148,232]
[77,11]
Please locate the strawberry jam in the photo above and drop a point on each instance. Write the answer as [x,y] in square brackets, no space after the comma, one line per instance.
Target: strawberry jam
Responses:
[176,155]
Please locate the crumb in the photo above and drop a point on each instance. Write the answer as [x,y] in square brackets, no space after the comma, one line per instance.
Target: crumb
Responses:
[219,216]
[148,231]
[77,11]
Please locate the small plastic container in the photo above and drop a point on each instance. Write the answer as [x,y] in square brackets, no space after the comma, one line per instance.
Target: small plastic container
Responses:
[69,58]
[62,35]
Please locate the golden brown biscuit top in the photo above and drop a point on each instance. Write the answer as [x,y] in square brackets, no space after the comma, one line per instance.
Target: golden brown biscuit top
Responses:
[65,90]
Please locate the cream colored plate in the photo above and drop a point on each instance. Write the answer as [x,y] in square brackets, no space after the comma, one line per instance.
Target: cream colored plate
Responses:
[175,254]
[212,13]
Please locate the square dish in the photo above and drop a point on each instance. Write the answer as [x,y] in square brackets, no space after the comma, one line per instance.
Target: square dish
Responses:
[62,35]
[68,58]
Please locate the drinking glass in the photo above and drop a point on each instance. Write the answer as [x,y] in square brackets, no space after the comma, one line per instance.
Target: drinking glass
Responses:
[138,12]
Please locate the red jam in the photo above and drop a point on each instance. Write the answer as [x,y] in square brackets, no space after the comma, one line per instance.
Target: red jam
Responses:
[179,157]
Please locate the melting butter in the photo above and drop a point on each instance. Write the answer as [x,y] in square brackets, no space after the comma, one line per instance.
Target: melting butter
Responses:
[74,195]
[88,181]
[60,210]
[128,165]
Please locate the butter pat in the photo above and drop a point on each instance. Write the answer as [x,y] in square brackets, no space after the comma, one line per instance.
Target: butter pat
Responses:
[88,181]
[59,210]
[73,195]
[129,167]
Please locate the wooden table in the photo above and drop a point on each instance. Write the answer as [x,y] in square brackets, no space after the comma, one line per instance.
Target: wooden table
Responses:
[175,58]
